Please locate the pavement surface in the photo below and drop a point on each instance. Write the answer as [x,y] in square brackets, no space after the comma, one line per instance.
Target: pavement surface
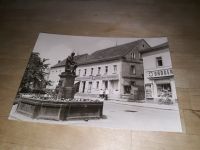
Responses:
[148,105]
[123,116]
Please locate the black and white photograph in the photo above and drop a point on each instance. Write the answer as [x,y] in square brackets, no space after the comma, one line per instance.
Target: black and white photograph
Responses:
[106,82]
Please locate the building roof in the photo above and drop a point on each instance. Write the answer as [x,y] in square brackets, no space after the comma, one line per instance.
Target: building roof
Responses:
[156,48]
[111,53]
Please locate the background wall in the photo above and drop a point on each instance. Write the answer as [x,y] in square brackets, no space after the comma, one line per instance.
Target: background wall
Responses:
[20,23]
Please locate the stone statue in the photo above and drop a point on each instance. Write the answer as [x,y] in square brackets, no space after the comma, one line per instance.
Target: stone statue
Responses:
[67,78]
[70,65]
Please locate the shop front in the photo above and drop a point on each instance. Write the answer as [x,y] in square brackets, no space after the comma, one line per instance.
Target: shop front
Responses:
[160,84]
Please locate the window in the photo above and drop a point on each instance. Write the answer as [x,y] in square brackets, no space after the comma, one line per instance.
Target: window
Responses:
[159,61]
[89,87]
[115,68]
[85,72]
[132,83]
[106,69]
[132,55]
[99,70]
[140,56]
[92,69]
[79,72]
[133,70]
[127,89]
[164,89]
[97,86]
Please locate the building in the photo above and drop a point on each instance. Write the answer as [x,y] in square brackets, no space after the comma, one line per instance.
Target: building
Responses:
[158,74]
[118,69]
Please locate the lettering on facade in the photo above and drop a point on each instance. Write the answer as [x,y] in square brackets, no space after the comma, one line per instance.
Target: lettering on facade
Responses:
[89,78]
[160,73]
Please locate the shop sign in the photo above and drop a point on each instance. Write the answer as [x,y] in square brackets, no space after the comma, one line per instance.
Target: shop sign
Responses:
[84,78]
[160,73]
[105,77]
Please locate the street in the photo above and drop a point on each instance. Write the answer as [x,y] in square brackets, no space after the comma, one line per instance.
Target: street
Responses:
[124,116]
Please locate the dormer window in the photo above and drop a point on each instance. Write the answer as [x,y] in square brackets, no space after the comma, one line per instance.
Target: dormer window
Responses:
[132,55]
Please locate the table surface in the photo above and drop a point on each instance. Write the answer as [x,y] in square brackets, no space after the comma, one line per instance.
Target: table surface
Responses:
[22,21]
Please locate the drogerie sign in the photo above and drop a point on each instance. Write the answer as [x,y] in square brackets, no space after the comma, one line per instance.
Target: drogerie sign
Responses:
[160,73]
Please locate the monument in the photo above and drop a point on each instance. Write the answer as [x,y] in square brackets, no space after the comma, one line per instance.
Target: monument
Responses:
[66,89]
[64,107]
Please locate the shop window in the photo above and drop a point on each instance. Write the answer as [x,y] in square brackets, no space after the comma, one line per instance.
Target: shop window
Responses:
[159,61]
[164,89]
[132,69]
[127,89]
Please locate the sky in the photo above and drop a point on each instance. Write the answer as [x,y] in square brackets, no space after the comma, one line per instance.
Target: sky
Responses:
[57,47]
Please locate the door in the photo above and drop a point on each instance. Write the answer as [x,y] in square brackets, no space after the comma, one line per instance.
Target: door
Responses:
[90,87]
[106,84]
[83,90]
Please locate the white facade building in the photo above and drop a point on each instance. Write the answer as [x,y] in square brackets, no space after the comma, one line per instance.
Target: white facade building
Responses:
[94,77]
[158,74]
[118,69]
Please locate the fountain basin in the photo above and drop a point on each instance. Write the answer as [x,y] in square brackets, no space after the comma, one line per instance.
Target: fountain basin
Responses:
[60,110]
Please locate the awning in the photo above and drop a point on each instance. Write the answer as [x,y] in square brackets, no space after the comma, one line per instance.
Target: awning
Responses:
[164,81]
[75,82]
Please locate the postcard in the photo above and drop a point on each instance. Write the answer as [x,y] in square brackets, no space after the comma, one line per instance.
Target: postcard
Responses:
[106,82]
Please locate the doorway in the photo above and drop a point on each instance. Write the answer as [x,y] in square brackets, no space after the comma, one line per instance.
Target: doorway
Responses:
[83,90]
[106,84]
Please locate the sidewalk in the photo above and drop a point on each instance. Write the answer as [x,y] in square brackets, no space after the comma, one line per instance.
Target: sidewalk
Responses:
[138,104]
[146,104]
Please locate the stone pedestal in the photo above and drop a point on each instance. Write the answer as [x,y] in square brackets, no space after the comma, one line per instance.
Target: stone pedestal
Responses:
[67,87]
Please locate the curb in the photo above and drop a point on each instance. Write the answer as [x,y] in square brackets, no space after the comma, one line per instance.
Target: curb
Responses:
[143,106]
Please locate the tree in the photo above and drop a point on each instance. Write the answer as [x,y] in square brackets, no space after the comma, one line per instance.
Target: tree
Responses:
[34,75]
